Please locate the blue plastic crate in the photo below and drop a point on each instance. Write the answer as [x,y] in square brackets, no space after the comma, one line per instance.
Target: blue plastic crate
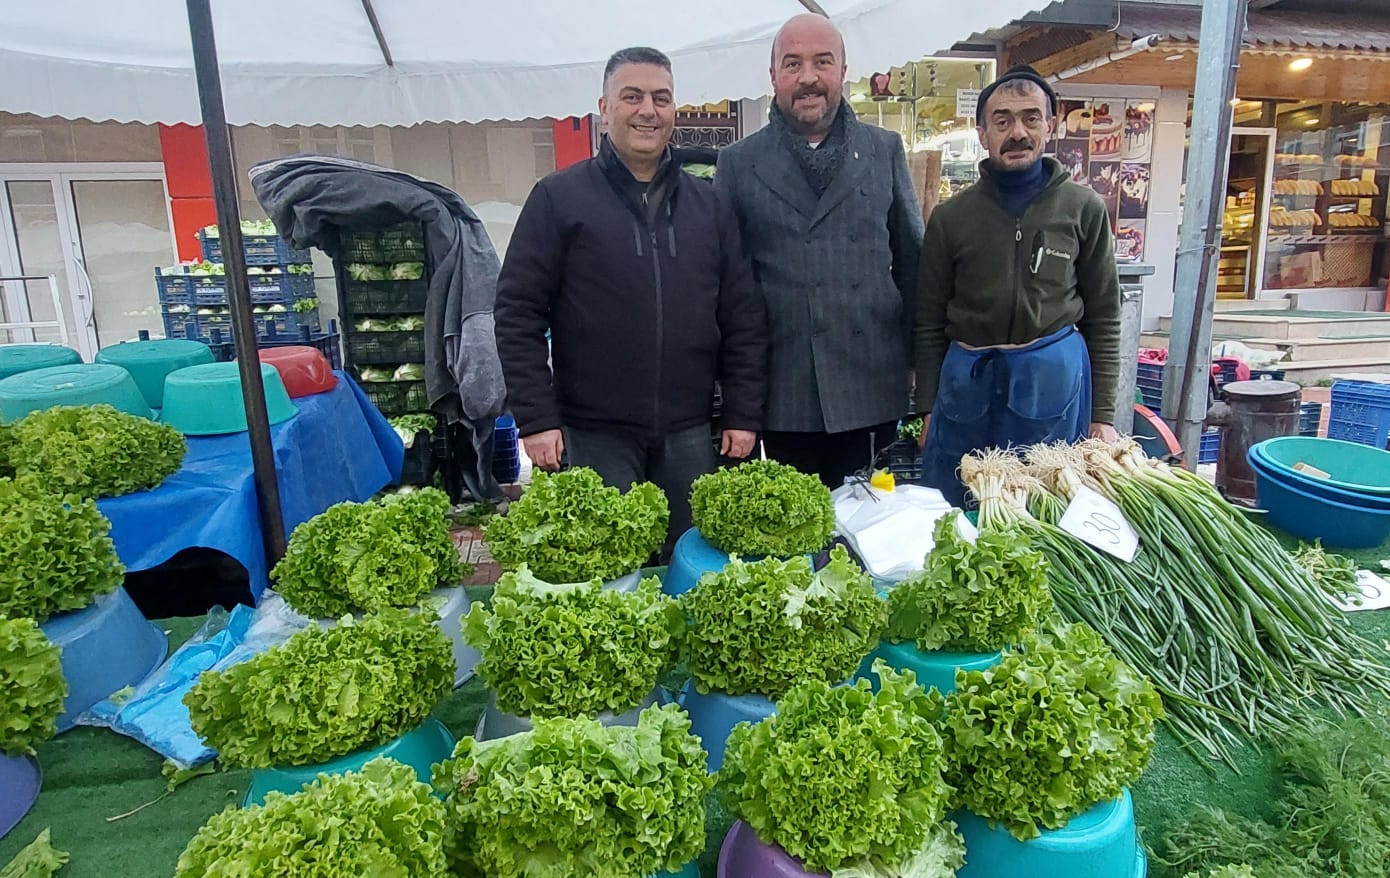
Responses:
[265,289]
[260,250]
[174,289]
[506,455]
[329,343]
[1210,448]
[1360,413]
[180,325]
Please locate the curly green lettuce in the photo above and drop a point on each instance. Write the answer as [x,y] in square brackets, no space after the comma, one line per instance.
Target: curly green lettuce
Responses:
[762,507]
[380,821]
[325,692]
[1050,731]
[95,451]
[574,798]
[38,859]
[1237,871]
[32,687]
[569,527]
[841,775]
[575,649]
[55,551]
[972,597]
[764,626]
[365,557]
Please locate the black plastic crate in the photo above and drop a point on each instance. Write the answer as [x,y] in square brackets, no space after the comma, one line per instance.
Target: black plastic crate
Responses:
[259,249]
[379,348]
[396,397]
[904,460]
[368,298]
[402,243]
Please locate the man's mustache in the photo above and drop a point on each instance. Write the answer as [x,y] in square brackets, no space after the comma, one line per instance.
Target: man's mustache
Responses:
[1017,146]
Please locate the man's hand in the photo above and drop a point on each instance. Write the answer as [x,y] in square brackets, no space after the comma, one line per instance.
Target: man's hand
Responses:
[1104,432]
[737,444]
[922,437]
[545,449]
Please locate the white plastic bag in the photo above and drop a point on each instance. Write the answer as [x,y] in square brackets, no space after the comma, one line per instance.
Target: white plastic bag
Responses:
[890,531]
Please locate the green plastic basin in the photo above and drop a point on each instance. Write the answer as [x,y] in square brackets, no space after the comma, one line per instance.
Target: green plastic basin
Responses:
[206,400]
[77,384]
[150,362]
[420,749]
[1362,469]
[16,358]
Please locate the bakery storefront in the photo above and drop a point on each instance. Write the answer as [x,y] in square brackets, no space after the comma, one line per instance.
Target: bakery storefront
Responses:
[1309,170]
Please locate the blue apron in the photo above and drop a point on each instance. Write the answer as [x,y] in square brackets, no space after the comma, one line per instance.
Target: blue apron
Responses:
[997,398]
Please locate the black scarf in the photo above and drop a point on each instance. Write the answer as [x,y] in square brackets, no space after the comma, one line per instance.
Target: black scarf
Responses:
[821,164]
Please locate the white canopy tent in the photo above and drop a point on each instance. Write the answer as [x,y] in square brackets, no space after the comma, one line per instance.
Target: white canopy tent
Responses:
[299,62]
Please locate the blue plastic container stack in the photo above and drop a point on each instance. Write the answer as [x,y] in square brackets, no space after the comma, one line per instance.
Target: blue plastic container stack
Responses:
[506,457]
[1327,489]
[1360,413]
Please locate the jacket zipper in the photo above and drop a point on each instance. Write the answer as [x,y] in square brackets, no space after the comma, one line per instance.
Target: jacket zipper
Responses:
[660,318]
[1018,274]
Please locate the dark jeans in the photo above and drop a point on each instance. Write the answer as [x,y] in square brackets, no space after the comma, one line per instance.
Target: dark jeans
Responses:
[832,456]
[672,463]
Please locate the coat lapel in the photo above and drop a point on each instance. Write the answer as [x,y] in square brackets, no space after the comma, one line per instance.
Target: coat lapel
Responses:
[778,168]
[858,157]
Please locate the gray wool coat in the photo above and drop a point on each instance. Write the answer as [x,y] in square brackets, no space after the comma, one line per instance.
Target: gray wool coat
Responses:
[838,272]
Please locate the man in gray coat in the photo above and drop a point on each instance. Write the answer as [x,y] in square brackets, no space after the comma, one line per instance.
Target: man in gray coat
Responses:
[828,213]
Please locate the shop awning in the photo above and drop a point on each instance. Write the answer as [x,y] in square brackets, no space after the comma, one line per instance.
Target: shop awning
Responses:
[296,62]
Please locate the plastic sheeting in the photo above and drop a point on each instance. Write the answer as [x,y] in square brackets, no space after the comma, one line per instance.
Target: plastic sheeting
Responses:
[317,61]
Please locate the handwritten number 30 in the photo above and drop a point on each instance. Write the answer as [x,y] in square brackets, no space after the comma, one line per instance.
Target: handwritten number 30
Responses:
[1103,527]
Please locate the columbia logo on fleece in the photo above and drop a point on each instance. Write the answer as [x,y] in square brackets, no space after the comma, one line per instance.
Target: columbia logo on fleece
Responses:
[1046,251]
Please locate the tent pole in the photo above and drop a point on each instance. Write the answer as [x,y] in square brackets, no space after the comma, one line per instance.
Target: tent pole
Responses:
[1189,357]
[224,196]
[377,32]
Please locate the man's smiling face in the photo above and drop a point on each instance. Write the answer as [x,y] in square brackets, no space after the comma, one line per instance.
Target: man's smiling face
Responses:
[639,110]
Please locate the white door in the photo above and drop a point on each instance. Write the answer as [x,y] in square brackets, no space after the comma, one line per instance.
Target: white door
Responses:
[101,230]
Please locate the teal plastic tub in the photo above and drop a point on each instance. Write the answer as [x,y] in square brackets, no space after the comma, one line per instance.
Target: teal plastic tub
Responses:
[689,870]
[206,400]
[692,557]
[932,668]
[77,384]
[150,362]
[1359,469]
[713,717]
[421,749]
[1099,843]
[17,358]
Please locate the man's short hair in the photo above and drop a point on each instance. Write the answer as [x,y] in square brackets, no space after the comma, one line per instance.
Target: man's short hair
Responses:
[635,55]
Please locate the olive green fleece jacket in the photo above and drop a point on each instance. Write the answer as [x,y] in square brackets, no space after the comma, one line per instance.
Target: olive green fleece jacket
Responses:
[988,278]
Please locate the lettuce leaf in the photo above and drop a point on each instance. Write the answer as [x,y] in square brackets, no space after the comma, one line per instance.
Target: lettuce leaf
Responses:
[972,597]
[380,821]
[574,649]
[569,527]
[389,552]
[38,859]
[55,552]
[95,451]
[841,776]
[1050,731]
[762,507]
[325,692]
[32,687]
[575,798]
[764,626]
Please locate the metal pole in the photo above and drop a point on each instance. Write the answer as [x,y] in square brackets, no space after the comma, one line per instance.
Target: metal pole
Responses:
[1189,358]
[224,196]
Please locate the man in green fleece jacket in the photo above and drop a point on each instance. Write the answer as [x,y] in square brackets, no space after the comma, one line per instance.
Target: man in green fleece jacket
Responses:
[1017,333]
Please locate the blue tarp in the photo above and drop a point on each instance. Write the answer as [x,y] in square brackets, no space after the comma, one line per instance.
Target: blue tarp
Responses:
[338,447]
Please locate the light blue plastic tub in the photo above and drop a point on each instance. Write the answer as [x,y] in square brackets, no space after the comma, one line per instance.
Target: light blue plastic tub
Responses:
[932,668]
[420,749]
[1100,843]
[20,780]
[106,647]
[713,717]
[691,558]
[689,870]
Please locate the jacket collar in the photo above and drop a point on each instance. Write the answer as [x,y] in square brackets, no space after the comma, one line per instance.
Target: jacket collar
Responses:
[612,165]
[782,173]
[1052,169]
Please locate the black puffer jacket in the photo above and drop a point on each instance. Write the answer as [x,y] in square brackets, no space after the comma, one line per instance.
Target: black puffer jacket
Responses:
[645,315]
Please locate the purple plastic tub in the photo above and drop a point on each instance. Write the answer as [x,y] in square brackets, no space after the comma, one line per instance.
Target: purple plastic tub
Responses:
[744,855]
[20,779]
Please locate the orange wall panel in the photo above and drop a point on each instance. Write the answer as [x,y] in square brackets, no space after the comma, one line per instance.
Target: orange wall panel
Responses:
[190,215]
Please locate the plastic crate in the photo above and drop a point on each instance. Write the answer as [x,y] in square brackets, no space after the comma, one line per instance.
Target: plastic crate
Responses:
[174,289]
[286,322]
[506,453]
[180,325]
[400,243]
[378,348]
[224,349]
[1360,413]
[396,397]
[367,298]
[1266,374]
[260,250]
[1210,448]
[904,460]
[1309,418]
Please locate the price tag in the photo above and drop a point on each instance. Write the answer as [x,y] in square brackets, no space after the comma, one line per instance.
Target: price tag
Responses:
[1375,594]
[967,99]
[1096,521]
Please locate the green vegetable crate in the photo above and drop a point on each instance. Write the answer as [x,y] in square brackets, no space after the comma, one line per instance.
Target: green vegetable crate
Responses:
[397,397]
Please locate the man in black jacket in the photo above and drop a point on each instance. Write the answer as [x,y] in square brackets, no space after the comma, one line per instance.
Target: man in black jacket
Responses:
[637,271]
